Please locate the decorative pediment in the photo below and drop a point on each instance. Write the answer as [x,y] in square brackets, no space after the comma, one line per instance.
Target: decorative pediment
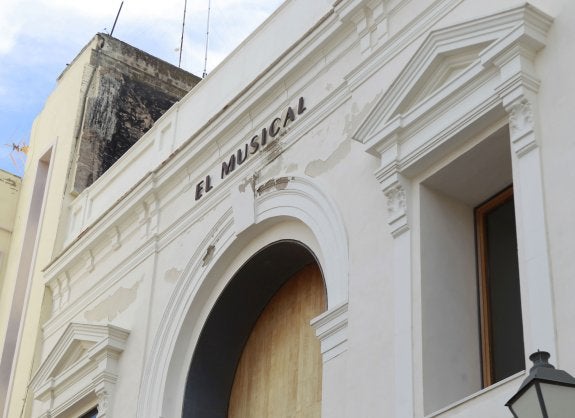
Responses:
[75,352]
[445,67]
[450,65]
[85,357]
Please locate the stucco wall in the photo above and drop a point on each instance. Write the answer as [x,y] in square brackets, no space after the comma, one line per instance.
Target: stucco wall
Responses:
[150,245]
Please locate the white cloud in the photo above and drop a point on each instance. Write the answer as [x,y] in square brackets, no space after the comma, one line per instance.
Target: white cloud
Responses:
[10,25]
[40,37]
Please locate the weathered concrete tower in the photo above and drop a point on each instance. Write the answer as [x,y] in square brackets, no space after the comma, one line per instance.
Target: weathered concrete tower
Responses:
[125,91]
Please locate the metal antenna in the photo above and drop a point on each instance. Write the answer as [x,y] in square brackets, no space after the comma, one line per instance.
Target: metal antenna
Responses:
[207,38]
[116,20]
[182,39]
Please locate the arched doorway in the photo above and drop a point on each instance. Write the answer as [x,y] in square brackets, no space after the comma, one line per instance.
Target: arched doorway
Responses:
[279,373]
[257,347]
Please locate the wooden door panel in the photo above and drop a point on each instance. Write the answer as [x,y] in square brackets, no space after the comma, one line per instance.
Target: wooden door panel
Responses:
[279,373]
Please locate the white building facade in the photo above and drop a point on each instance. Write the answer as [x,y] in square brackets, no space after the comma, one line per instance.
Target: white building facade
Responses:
[417,153]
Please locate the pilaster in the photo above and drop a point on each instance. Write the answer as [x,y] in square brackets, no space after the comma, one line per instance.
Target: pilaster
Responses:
[519,97]
[396,190]
[331,330]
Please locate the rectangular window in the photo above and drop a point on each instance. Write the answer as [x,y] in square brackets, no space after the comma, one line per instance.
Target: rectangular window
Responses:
[499,293]
[471,331]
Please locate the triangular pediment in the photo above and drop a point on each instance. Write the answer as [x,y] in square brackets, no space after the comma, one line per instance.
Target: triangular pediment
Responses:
[445,64]
[75,351]
[444,68]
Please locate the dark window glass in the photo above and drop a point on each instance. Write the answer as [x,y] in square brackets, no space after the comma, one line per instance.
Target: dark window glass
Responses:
[502,329]
[92,413]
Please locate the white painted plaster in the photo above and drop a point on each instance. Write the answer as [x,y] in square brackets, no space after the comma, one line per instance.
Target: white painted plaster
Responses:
[424,87]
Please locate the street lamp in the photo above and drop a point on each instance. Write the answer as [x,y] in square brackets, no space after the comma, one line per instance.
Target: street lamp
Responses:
[545,393]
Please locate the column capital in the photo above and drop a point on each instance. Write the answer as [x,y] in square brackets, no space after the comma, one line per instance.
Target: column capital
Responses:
[103,402]
[397,208]
[522,129]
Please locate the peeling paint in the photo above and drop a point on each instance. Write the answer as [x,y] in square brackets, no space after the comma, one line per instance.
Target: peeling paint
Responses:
[282,183]
[242,186]
[291,168]
[113,305]
[254,180]
[275,184]
[318,167]
[209,255]
[273,151]
[357,115]
[172,275]
[250,181]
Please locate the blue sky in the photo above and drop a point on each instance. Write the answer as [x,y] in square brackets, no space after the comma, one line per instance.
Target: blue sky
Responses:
[41,36]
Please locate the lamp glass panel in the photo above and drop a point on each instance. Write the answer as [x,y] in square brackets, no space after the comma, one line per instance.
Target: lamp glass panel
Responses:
[527,405]
[559,400]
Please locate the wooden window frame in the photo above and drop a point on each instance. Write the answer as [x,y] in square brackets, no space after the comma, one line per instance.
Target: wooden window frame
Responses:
[483,281]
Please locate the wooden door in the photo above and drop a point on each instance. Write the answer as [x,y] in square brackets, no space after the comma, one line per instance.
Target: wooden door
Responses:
[279,373]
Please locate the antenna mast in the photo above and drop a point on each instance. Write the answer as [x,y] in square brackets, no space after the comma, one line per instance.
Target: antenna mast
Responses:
[182,40]
[117,16]
[207,38]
